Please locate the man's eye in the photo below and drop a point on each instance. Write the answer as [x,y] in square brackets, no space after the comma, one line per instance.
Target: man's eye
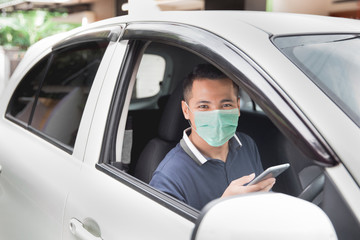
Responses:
[203,106]
[227,105]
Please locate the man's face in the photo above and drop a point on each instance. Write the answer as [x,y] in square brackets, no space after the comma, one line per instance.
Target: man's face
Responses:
[208,95]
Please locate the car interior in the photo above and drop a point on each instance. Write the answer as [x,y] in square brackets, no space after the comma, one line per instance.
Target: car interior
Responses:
[155,125]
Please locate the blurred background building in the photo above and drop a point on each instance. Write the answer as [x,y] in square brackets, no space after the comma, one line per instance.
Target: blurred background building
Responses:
[23,22]
[95,10]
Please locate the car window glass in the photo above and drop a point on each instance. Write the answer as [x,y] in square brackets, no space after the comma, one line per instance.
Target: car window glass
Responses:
[149,77]
[247,104]
[332,63]
[24,97]
[52,96]
[152,80]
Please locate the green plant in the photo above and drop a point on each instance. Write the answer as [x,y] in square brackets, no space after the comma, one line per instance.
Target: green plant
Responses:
[24,28]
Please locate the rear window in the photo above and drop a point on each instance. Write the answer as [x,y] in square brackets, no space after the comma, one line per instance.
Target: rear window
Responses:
[51,98]
[332,62]
[150,75]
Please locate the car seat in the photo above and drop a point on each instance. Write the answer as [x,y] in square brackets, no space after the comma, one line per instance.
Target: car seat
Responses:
[65,118]
[171,127]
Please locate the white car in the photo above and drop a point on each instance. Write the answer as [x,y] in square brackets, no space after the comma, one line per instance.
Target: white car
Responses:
[88,115]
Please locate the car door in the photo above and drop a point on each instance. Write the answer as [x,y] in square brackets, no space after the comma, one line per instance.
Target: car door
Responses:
[95,194]
[106,202]
[45,129]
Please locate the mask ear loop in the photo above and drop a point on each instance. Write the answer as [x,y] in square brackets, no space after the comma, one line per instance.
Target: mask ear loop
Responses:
[189,119]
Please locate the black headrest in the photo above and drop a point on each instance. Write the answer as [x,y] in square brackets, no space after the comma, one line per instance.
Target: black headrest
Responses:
[172,122]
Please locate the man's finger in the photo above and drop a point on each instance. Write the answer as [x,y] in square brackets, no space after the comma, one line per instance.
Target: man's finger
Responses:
[267,184]
[244,180]
[264,185]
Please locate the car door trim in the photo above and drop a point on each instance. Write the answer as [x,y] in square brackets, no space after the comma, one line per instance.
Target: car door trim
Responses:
[217,51]
[165,200]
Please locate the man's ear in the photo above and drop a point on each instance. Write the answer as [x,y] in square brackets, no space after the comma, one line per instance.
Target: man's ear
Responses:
[185,110]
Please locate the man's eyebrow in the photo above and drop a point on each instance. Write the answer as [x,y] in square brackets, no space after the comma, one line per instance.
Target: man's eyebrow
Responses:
[208,102]
[202,101]
[227,100]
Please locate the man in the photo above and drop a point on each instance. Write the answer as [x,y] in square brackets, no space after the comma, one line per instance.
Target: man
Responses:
[211,161]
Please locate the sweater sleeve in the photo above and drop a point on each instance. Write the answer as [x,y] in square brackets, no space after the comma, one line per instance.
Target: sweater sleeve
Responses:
[167,185]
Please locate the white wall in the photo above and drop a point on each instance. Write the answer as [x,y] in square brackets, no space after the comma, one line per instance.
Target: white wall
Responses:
[319,7]
[4,69]
[142,7]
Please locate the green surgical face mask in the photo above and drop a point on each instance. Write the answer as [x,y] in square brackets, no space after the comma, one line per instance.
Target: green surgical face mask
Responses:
[216,127]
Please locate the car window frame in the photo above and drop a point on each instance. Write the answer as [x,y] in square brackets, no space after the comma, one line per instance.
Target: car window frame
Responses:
[74,40]
[233,62]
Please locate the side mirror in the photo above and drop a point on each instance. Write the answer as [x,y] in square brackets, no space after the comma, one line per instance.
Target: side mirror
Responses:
[263,216]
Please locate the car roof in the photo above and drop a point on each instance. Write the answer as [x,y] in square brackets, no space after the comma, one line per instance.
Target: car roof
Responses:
[245,29]
[231,25]
[269,22]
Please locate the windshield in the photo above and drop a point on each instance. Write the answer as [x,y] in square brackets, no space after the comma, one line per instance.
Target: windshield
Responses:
[332,62]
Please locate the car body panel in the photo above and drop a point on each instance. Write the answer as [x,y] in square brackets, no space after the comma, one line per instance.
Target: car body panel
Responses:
[346,185]
[120,213]
[101,77]
[52,172]
[284,23]
[39,203]
[264,211]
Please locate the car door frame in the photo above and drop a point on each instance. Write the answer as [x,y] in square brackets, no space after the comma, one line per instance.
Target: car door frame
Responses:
[84,208]
[231,60]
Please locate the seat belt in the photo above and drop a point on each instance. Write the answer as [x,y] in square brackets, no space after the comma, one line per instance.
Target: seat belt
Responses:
[124,163]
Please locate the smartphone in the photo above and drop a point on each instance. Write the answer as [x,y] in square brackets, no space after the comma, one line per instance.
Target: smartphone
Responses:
[273,171]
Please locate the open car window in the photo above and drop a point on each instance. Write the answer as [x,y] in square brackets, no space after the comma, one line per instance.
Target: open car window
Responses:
[143,132]
[150,133]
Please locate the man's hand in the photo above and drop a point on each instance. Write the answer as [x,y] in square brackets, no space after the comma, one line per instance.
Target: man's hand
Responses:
[237,186]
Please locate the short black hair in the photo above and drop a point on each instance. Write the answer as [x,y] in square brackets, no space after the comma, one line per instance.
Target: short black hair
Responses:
[202,71]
